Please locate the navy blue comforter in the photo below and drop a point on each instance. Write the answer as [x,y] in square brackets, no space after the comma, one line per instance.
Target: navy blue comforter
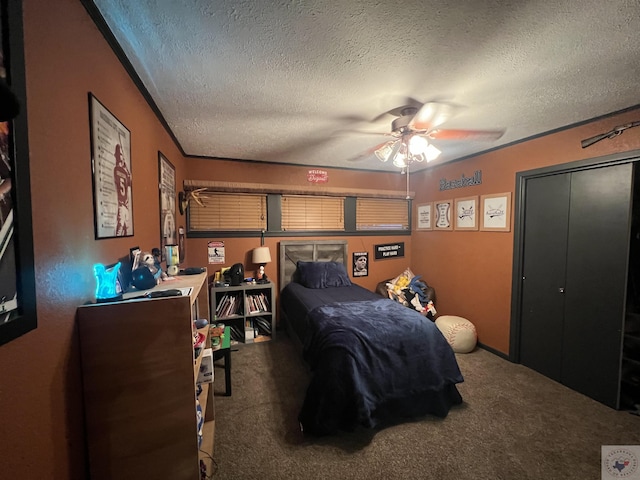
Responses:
[373,363]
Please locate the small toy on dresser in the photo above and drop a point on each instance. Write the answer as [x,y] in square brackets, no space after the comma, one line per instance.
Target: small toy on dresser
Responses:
[216,332]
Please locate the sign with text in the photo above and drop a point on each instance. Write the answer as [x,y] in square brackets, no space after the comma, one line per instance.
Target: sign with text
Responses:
[215,252]
[462,182]
[317,176]
[389,250]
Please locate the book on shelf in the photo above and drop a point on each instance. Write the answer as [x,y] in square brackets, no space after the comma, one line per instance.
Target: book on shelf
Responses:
[252,306]
[220,306]
[262,325]
[229,305]
[265,302]
[257,302]
[237,333]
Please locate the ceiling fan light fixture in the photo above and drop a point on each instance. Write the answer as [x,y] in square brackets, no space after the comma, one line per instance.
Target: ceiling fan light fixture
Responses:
[418,145]
[432,153]
[384,152]
[400,161]
[422,150]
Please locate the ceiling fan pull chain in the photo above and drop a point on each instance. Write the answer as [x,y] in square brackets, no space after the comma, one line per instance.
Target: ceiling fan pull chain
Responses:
[406,170]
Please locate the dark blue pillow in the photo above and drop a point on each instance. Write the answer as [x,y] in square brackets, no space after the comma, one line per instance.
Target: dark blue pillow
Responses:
[322,274]
[337,275]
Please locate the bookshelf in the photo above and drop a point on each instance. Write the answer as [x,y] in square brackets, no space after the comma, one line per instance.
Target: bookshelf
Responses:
[140,384]
[248,309]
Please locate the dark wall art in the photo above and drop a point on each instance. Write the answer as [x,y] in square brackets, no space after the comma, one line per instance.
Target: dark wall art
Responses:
[17,279]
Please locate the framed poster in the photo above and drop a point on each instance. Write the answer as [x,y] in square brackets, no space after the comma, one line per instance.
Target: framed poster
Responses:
[215,252]
[443,214]
[496,212]
[361,264]
[466,213]
[424,214]
[18,313]
[112,179]
[167,187]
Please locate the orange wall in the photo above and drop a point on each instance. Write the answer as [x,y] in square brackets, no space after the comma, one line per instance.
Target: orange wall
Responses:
[41,429]
[255,172]
[472,270]
[40,389]
[239,249]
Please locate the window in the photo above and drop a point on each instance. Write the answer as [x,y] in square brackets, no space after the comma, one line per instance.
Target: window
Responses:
[311,212]
[227,212]
[382,214]
[227,209]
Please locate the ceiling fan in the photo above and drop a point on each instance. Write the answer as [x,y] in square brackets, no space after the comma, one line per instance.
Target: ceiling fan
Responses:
[414,127]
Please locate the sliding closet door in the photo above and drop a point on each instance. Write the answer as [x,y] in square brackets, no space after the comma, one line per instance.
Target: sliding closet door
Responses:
[597,253]
[545,252]
[575,251]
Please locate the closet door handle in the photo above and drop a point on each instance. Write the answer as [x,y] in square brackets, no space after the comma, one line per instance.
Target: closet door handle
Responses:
[561,289]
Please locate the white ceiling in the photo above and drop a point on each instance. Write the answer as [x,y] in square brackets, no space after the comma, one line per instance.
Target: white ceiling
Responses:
[292,81]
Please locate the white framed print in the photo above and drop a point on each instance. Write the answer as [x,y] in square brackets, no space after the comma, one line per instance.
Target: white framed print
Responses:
[466,217]
[112,177]
[443,214]
[167,189]
[424,216]
[496,212]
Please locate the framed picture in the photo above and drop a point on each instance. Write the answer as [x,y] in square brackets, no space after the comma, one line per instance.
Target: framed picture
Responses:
[134,257]
[424,216]
[496,212]
[17,278]
[112,178]
[466,213]
[167,186]
[443,215]
[361,264]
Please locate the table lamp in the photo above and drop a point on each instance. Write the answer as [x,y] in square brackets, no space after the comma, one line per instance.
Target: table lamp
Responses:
[261,256]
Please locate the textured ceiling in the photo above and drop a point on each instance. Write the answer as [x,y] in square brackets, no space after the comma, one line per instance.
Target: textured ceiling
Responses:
[298,81]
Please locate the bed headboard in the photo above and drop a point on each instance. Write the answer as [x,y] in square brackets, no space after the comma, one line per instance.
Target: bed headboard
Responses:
[309,251]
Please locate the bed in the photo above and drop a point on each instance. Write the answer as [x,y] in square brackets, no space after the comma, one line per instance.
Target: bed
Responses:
[373,361]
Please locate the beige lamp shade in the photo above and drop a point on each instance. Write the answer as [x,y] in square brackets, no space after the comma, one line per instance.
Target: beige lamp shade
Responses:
[261,255]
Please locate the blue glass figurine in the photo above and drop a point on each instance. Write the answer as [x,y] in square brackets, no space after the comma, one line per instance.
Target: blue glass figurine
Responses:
[107,282]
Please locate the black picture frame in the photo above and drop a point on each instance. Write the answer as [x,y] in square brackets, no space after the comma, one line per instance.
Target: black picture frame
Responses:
[389,250]
[112,172]
[167,201]
[361,264]
[22,319]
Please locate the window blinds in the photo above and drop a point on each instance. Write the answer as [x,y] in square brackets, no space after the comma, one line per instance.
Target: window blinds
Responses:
[228,212]
[382,214]
[302,212]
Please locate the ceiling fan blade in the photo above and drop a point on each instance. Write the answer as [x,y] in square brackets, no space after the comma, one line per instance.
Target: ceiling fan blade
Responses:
[370,151]
[364,132]
[449,134]
[396,111]
[432,114]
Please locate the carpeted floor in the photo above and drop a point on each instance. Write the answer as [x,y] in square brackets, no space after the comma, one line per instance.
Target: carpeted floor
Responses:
[514,424]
